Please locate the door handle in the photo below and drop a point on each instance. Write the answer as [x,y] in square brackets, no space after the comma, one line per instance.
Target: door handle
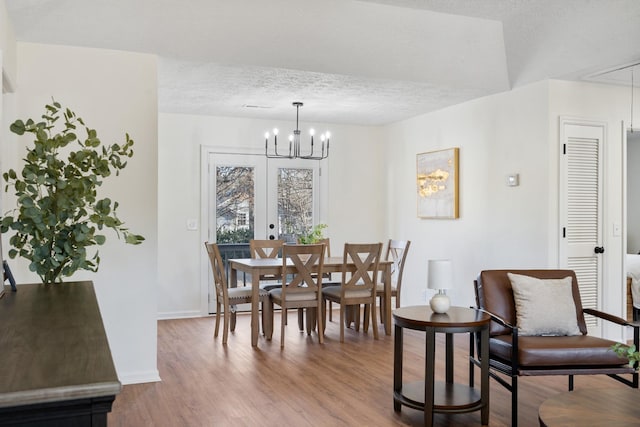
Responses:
[598,250]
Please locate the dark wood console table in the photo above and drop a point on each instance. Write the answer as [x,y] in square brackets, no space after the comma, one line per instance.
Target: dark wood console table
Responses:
[431,396]
[55,364]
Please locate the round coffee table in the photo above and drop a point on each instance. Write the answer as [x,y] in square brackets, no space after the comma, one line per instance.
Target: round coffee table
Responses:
[609,407]
[435,396]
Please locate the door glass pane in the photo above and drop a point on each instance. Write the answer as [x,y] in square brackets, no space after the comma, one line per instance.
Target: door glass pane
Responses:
[235,204]
[295,202]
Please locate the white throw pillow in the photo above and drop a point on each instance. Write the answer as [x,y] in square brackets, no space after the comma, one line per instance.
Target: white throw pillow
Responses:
[544,306]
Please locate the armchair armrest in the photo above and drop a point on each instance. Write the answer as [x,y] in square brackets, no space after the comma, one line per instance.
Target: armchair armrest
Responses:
[610,317]
[497,318]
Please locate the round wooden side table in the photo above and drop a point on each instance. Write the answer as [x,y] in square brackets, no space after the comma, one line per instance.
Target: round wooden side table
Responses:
[431,396]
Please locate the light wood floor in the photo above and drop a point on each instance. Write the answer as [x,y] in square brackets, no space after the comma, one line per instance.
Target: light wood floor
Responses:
[207,384]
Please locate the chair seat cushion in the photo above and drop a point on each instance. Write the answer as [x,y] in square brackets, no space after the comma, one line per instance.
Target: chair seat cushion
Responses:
[244,293]
[544,351]
[267,286]
[334,291]
[380,287]
[276,294]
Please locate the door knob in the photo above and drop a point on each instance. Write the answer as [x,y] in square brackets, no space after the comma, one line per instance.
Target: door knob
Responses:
[272,237]
[598,250]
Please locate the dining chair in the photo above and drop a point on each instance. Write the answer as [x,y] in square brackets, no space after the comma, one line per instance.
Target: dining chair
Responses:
[301,286]
[358,286]
[397,253]
[227,298]
[264,248]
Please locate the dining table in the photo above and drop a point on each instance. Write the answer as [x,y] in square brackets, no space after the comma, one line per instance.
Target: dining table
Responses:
[273,266]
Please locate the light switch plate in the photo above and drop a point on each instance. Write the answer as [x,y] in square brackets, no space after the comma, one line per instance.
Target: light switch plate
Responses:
[192,224]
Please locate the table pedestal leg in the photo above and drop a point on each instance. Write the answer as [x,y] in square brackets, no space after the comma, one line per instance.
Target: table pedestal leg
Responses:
[397,367]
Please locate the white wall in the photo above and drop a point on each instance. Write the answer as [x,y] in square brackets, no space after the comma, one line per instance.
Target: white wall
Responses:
[114,92]
[499,226]
[356,190]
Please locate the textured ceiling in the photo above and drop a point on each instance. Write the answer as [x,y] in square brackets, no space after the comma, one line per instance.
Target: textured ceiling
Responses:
[356,62]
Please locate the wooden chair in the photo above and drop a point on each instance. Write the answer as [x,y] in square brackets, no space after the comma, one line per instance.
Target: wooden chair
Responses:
[302,287]
[226,298]
[397,252]
[267,249]
[512,355]
[357,286]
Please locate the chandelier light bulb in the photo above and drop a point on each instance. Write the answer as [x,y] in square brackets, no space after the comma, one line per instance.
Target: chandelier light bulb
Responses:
[322,137]
[312,132]
[275,131]
[290,138]
[266,135]
[328,134]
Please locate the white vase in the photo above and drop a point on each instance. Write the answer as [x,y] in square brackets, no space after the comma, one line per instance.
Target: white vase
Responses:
[440,303]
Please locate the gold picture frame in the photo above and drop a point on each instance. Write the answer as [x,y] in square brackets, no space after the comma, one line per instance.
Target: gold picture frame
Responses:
[437,183]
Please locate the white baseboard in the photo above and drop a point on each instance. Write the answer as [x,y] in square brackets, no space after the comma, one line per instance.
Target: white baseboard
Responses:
[167,315]
[140,377]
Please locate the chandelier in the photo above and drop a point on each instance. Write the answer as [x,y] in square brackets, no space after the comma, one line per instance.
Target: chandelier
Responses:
[294,143]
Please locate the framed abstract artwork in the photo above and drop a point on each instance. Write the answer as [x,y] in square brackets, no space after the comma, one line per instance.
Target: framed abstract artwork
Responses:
[437,180]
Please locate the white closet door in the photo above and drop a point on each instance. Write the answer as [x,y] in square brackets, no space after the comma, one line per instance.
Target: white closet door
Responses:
[581,199]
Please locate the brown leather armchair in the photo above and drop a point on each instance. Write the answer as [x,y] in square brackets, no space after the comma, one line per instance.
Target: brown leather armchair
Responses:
[511,356]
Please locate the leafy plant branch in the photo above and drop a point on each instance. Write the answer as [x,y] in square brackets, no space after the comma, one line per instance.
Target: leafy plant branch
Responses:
[58,215]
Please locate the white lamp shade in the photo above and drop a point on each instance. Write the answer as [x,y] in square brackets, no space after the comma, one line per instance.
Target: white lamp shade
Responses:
[440,274]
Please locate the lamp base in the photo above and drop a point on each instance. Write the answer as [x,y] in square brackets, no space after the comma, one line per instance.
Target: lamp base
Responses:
[440,303]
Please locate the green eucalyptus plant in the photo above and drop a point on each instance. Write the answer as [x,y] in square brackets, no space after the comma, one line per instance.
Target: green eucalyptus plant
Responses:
[58,215]
[628,352]
[314,235]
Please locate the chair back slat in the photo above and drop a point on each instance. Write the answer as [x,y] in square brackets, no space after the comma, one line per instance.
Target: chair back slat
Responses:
[366,258]
[397,251]
[308,261]
[263,248]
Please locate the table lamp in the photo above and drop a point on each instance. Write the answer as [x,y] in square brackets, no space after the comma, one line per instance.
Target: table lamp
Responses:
[440,277]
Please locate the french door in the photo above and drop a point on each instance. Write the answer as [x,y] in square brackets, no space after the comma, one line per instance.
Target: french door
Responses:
[249,196]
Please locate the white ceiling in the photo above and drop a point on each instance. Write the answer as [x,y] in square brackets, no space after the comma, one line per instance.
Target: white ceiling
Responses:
[350,61]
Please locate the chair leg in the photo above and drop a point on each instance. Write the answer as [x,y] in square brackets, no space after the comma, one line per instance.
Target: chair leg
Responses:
[374,319]
[331,314]
[382,309]
[283,322]
[367,309]
[570,382]
[225,331]
[232,311]
[323,311]
[514,401]
[217,327]
[342,321]
[320,322]
[301,319]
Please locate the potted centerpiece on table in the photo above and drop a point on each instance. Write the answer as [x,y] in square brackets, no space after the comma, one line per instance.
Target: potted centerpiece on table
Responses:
[313,235]
[58,214]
